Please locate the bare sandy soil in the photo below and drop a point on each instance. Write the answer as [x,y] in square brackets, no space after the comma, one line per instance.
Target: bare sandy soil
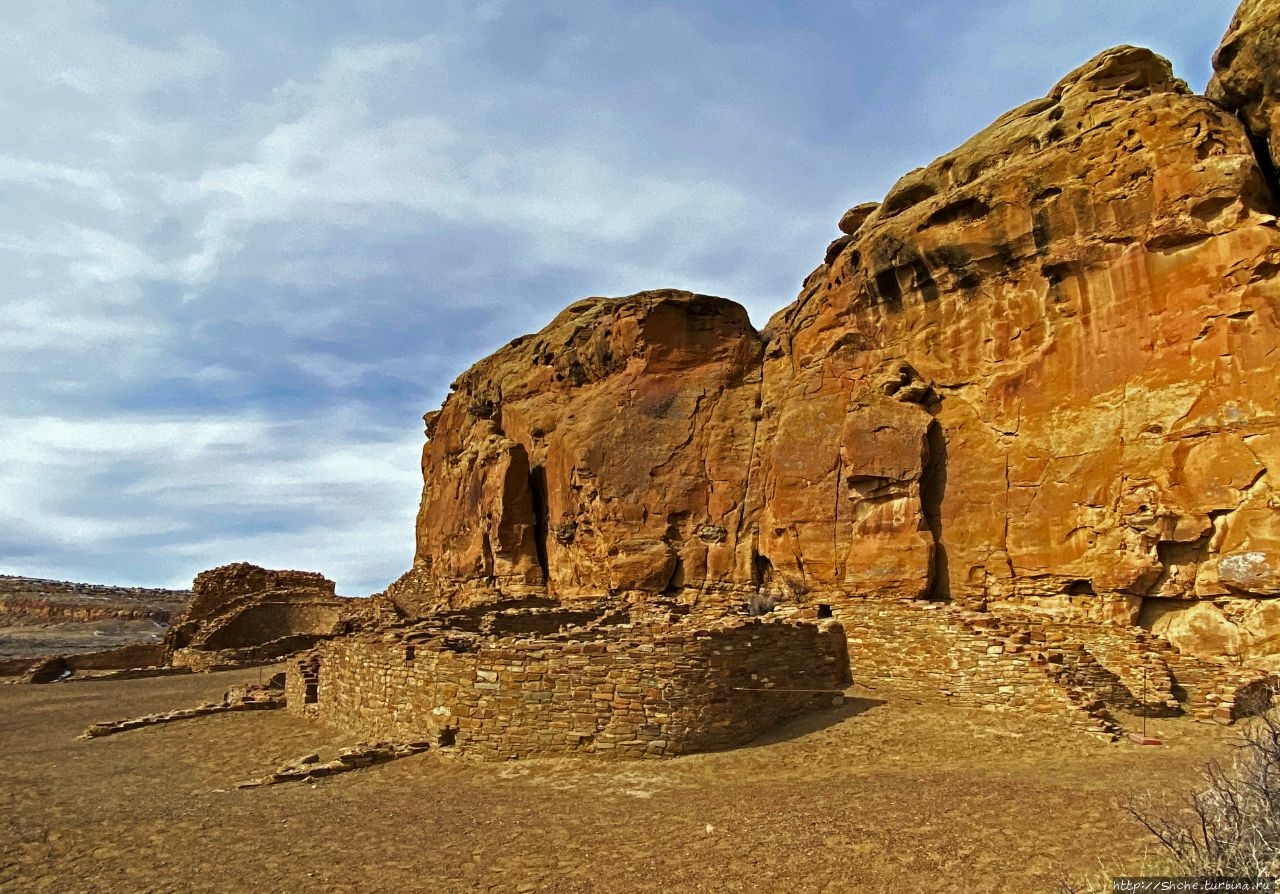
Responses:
[879,795]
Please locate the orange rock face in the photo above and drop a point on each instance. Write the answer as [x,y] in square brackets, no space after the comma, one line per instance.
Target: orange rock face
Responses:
[1039,367]
[608,452]
[1247,72]
[1039,376]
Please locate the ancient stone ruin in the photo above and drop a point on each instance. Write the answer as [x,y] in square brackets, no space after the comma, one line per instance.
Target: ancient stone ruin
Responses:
[508,683]
[243,614]
[1011,447]
[236,615]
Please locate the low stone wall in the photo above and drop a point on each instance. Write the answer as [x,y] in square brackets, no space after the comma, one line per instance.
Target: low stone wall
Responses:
[937,651]
[200,660]
[123,658]
[241,698]
[617,691]
[13,667]
[1011,661]
[1155,675]
[54,667]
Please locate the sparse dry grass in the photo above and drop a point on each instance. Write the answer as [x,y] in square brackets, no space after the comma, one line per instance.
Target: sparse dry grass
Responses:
[879,795]
[1229,824]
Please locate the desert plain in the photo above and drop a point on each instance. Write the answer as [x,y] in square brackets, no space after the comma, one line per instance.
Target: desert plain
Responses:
[880,794]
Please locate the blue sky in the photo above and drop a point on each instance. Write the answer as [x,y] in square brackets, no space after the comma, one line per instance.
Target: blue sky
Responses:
[245,245]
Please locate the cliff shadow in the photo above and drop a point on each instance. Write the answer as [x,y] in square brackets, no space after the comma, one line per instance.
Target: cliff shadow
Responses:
[541,519]
[933,489]
[816,721]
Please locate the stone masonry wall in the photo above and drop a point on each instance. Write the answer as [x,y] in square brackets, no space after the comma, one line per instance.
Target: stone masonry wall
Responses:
[271,621]
[200,660]
[1006,662]
[613,691]
[932,650]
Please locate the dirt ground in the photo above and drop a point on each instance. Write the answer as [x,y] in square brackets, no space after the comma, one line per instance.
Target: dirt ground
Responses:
[74,638]
[880,795]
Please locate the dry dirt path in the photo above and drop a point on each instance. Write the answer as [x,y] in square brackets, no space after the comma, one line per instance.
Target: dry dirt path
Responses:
[879,795]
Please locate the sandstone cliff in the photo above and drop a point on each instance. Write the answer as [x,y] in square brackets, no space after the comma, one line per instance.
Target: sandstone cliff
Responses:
[1247,74]
[1040,370]
[1039,376]
[608,452]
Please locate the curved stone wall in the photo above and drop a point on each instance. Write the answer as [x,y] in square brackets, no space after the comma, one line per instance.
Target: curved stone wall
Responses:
[617,691]
[268,621]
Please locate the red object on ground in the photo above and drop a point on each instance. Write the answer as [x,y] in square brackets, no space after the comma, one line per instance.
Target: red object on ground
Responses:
[1140,739]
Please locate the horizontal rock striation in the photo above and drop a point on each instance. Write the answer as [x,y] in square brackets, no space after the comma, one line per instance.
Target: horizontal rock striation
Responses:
[28,600]
[1021,377]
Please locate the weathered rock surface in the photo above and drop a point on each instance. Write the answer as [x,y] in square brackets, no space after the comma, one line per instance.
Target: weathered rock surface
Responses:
[1247,72]
[608,452]
[1038,377]
[1041,367]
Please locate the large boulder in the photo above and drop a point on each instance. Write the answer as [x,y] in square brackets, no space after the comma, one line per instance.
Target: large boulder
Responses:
[1246,77]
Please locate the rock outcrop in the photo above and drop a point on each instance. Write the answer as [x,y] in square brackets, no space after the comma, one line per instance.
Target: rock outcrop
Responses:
[241,613]
[1247,74]
[1040,369]
[1037,378]
[610,452]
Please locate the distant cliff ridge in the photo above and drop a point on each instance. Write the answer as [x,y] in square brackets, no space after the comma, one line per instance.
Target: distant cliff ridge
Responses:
[28,600]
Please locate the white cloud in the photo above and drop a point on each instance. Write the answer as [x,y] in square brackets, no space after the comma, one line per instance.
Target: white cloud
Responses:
[54,177]
[167,493]
[65,44]
[331,156]
[31,327]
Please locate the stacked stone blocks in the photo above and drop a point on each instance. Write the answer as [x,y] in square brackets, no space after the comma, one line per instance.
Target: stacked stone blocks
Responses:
[620,691]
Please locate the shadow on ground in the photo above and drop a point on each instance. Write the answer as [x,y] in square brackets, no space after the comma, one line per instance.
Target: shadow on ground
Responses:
[817,721]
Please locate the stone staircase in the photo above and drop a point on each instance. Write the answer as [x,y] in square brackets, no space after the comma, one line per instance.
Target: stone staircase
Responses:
[1024,662]
[1142,673]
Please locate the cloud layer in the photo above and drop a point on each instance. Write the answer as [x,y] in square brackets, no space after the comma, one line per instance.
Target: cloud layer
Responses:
[244,248]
